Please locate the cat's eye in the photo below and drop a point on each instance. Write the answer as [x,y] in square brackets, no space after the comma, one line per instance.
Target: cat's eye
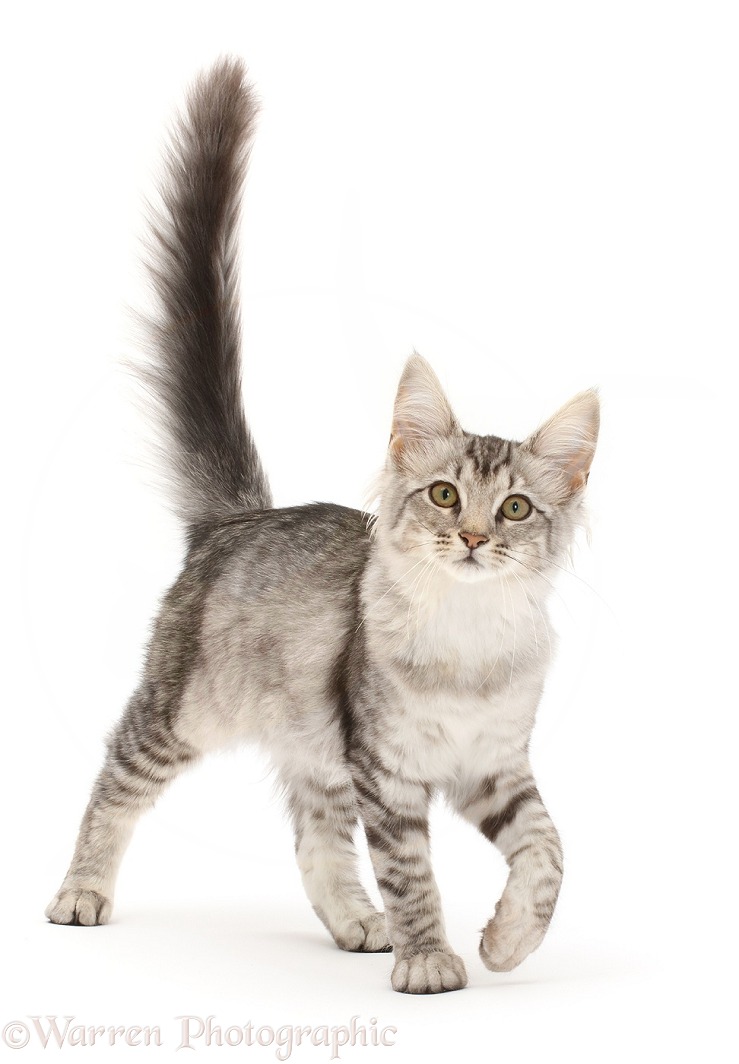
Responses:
[516,508]
[443,494]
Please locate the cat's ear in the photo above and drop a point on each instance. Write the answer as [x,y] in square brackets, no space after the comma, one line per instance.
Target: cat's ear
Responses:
[567,440]
[422,412]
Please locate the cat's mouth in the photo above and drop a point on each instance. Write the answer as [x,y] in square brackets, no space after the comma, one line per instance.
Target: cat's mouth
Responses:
[472,569]
[469,560]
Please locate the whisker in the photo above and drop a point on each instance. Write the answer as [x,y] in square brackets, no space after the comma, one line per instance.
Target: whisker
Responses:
[432,573]
[376,604]
[533,569]
[544,618]
[423,543]
[416,584]
[521,584]
[513,656]
[424,525]
[564,569]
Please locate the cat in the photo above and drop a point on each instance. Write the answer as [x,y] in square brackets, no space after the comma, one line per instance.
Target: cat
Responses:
[380,661]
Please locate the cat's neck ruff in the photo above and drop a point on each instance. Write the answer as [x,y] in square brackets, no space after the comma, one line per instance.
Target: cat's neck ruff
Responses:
[419,612]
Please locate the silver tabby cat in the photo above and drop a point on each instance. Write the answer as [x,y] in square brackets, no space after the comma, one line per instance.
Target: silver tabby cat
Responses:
[377,666]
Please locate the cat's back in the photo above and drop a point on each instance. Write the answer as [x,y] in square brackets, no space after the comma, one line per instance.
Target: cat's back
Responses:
[320,543]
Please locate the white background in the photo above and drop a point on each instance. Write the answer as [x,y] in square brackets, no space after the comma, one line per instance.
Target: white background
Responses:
[540,198]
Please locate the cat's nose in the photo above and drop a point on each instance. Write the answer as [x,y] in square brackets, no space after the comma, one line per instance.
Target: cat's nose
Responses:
[472,539]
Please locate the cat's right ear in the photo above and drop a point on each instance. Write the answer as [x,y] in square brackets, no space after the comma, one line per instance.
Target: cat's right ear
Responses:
[422,413]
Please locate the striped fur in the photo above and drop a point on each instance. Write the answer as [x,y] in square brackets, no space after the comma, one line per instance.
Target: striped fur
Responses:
[378,667]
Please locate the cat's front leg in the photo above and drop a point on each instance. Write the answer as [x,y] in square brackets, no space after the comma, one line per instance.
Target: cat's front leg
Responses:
[508,810]
[395,816]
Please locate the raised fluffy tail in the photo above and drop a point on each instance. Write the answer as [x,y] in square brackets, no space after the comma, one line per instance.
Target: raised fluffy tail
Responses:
[194,374]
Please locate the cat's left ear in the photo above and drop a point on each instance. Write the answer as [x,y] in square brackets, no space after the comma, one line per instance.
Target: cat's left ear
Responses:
[567,440]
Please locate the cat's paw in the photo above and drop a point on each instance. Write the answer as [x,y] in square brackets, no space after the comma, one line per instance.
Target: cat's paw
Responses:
[74,905]
[510,936]
[368,934]
[429,973]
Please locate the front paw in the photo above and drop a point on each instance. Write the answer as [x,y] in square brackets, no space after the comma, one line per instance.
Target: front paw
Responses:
[73,905]
[429,973]
[510,936]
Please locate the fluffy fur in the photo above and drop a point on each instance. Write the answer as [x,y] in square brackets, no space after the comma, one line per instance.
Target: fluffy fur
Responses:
[376,668]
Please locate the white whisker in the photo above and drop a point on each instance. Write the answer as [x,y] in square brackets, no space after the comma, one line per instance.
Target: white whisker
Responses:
[576,576]
[513,656]
[533,569]
[376,604]
[416,584]
[520,582]
[433,571]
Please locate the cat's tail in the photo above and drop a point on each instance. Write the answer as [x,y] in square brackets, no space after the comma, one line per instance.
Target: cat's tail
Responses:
[211,462]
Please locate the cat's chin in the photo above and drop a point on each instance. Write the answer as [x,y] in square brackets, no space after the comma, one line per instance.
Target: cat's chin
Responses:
[470,571]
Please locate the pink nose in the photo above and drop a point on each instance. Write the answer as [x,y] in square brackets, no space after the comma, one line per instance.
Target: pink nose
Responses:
[472,539]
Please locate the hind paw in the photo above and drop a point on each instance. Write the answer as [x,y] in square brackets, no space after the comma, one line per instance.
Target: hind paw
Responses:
[367,934]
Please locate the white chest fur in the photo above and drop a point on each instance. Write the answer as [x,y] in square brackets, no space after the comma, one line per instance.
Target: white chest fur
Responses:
[467,671]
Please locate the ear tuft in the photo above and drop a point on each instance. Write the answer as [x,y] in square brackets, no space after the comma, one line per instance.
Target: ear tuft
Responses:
[567,440]
[422,412]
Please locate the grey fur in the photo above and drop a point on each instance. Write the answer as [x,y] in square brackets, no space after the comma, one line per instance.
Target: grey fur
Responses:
[378,665]
[194,370]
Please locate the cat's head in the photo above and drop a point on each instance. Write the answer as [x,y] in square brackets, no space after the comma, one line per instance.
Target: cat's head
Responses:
[481,506]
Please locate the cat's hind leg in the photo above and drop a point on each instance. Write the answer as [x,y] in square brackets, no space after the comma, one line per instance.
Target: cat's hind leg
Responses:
[325,817]
[143,756]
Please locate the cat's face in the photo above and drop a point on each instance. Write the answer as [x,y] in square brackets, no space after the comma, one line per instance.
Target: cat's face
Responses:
[480,506]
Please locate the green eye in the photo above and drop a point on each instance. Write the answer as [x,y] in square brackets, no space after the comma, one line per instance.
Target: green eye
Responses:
[516,508]
[443,494]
